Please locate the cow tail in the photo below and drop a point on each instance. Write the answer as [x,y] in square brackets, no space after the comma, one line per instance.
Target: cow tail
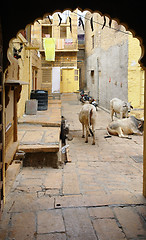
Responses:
[90,116]
[91,113]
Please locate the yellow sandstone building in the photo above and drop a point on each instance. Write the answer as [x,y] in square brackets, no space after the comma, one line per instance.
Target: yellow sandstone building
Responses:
[56,37]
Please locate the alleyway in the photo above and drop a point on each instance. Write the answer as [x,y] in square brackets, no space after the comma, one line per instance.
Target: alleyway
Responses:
[98,195]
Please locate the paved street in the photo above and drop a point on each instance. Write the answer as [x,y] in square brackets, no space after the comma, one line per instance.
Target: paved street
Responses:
[98,195]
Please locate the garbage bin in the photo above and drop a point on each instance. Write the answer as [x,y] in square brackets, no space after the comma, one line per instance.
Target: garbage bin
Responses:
[42,97]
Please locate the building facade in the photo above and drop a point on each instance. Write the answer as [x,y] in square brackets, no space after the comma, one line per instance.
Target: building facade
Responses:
[29,69]
[111,62]
[25,56]
[56,37]
[18,82]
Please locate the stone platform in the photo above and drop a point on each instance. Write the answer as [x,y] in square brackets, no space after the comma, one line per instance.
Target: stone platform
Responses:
[39,136]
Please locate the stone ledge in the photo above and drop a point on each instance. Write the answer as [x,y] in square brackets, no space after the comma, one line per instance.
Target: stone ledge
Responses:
[38,148]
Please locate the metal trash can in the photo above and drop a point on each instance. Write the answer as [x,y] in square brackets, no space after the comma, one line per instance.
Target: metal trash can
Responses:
[42,97]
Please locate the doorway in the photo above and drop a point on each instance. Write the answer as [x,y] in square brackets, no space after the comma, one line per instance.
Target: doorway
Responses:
[69,80]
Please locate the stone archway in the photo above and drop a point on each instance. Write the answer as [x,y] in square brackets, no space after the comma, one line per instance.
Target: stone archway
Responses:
[120,15]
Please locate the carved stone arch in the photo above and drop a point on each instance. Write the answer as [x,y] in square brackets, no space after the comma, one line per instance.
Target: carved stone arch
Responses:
[133,21]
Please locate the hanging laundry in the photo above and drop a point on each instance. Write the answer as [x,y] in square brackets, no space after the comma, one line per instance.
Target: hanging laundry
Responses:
[38,21]
[60,20]
[68,41]
[49,19]
[104,22]
[81,22]
[70,24]
[59,44]
[110,22]
[91,23]
[49,47]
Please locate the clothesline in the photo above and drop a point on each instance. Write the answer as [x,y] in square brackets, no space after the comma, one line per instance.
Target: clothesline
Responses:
[91,23]
[103,24]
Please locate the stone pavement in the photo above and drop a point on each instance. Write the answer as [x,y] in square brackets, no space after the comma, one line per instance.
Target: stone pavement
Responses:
[96,196]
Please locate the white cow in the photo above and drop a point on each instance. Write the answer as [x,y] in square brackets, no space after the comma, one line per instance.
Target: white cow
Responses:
[87,117]
[120,107]
[126,126]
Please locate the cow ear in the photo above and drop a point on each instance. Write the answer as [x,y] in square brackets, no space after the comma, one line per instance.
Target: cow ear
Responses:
[139,125]
[125,104]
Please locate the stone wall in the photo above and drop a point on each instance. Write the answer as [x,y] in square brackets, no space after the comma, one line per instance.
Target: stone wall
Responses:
[106,60]
[135,74]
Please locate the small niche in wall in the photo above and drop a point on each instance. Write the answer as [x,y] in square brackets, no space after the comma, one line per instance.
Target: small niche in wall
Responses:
[92,73]
[92,76]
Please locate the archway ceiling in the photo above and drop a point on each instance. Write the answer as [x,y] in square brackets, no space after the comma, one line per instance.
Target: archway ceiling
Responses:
[16,15]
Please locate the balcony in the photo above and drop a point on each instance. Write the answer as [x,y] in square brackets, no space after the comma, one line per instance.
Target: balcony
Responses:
[64,45]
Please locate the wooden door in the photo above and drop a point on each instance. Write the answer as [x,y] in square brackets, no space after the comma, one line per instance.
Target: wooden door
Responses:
[56,80]
[69,80]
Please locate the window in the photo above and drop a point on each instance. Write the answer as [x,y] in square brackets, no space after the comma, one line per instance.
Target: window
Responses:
[92,41]
[63,32]
[46,31]
[47,75]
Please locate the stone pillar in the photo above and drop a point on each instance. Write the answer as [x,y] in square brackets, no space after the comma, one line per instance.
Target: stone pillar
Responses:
[144,141]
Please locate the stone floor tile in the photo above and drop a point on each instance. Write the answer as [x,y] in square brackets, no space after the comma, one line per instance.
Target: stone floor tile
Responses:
[70,167]
[101,212]
[4,234]
[32,136]
[50,221]
[24,202]
[31,182]
[53,179]
[23,226]
[133,226]
[71,184]
[78,224]
[51,236]
[97,200]
[107,229]
[45,203]
[69,201]
[142,211]
[122,197]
